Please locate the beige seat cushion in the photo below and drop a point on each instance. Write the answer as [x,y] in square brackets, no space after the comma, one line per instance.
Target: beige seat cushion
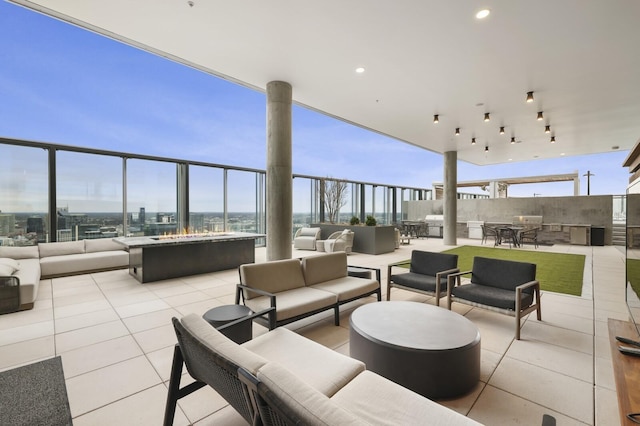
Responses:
[324,369]
[308,405]
[219,343]
[294,302]
[29,252]
[101,244]
[379,401]
[348,287]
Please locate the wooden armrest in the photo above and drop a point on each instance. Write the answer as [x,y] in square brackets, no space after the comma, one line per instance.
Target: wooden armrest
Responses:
[448,272]
[534,283]
[456,274]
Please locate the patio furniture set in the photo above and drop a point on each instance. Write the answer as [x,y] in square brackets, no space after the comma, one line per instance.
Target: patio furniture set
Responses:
[309,239]
[275,379]
[511,234]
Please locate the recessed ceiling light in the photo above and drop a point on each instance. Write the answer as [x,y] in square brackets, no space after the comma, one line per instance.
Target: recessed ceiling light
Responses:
[481,14]
[360,70]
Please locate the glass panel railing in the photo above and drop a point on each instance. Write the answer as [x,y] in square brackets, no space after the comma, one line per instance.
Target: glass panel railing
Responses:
[23,195]
[206,199]
[151,197]
[89,196]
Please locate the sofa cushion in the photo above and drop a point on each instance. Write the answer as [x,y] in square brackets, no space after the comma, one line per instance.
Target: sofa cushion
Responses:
[101,244]
[305,404]
[29,252]
[419,281]
[491,296]
[324,267]
[273,277]
[430,263]
[61,249]
[294,302]
[348,287]
[78,263]
[504,274]
[303,357]
[219,343]
[379,401]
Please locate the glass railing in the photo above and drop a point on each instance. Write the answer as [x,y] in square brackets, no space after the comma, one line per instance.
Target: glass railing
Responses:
[52,192]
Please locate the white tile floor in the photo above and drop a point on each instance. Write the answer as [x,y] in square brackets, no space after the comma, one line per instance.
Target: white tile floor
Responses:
[116,342]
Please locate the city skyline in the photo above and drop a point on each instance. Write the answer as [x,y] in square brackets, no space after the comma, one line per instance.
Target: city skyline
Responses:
[63,84]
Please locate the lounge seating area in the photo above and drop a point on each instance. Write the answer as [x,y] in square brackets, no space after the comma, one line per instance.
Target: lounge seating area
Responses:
[284,378]
[117,342]
[49,260]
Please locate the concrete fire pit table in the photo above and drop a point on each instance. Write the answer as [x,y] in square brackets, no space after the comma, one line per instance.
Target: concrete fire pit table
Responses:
[430,350]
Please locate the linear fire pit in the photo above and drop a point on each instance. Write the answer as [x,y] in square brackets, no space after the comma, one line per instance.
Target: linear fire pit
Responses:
[163,257]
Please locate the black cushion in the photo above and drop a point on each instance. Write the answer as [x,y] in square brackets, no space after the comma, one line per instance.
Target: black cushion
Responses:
[420,281]
[502,274]
[430,263]
[491,296]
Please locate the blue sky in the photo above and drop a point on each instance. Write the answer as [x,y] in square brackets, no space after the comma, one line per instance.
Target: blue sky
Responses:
[65,85]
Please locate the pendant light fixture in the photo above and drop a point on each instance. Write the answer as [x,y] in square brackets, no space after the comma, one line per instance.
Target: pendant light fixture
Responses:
[540,116]
[486,148]
[436,119]
[513,140]
[553,139]
[473,141]
[501,130]
[529,97]
[457,131]
[547,129]
[486,116]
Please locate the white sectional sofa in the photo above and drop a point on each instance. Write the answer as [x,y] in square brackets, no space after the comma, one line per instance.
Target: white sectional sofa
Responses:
[294,380]
[49,260]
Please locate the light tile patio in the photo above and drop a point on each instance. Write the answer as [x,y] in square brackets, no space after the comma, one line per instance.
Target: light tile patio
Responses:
[117,349]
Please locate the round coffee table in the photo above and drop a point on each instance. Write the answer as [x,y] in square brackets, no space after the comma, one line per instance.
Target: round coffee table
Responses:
[430,350]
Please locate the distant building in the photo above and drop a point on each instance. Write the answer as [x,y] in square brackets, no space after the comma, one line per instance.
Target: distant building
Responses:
[7,224]
[35,224]
[141,216]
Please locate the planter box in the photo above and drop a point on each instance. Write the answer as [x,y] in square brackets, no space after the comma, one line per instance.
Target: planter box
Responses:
[366,239]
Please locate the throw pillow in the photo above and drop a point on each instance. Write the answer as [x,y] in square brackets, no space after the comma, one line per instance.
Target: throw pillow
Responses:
[6,270]
[11,262]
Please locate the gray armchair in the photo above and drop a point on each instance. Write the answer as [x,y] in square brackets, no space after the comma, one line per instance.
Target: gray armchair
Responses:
[427,274]
[502,286]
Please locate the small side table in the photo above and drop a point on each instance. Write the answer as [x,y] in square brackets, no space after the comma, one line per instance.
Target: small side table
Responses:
[320,245]
[222,315]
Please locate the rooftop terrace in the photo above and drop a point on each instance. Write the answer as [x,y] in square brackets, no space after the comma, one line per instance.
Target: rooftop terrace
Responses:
[116,341]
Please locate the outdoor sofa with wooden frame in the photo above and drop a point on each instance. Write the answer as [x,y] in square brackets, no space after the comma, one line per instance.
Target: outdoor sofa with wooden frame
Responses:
[298,288]
[502,286]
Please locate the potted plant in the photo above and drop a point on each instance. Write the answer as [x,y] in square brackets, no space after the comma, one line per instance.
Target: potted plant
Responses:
[355,220]
[371,221]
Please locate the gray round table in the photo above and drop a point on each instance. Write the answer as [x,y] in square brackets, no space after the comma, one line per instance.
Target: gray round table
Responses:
[222,315]
[430,350]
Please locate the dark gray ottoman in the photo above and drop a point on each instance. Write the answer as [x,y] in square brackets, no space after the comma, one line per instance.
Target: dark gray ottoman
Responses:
[430,350]
[223,315]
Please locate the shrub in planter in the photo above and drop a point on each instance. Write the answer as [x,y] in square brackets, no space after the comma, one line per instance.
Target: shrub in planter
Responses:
[354,220]
[371,221]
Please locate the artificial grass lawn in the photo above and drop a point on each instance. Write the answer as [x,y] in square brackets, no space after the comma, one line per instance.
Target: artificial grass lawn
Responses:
[633,274]
[557,272]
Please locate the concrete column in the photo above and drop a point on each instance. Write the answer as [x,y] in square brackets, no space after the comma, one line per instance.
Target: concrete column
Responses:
[279,171]
[450,202]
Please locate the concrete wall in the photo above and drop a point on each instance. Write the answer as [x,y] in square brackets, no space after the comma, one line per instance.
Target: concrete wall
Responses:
[595,210]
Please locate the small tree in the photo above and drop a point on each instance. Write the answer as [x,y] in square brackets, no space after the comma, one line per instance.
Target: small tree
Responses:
[335,197]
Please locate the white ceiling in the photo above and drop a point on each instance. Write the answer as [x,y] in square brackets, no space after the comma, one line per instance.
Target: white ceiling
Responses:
[422,57]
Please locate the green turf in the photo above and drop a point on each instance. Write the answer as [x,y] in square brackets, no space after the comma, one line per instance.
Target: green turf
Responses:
[557,272]
[633,274]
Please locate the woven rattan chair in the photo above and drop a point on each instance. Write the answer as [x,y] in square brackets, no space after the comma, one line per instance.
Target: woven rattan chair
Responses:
[207,368]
